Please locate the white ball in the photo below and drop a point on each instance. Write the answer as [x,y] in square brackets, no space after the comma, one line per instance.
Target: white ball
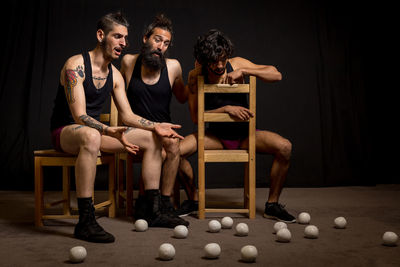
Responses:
[283,235]
[227,222]
[214,226]
[141,225]
[212,250]
[304,218]
[181,231]
[278,226]
[166,251]
[340,222]
[77,254]
[249,253]
[311,231]
[242,229]
[390,239]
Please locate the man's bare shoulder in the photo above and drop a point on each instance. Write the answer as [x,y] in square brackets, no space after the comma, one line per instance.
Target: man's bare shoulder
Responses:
[173,65]
[74,61]
[239,62]
[129,59]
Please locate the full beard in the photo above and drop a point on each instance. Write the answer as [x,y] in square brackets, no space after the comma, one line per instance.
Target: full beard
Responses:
[152,59]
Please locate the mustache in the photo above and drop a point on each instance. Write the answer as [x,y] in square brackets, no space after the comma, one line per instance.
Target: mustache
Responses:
[157,52]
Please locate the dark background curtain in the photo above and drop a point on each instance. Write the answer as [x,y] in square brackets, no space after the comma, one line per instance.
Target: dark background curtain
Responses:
[335,102]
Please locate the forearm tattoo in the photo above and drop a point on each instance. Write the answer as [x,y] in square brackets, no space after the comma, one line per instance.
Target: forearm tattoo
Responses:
[71,79]
[89,121]
[78,127]
[145,122]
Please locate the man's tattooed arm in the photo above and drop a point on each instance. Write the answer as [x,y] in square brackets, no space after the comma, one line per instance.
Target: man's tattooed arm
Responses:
[71,79]
[146,123]
[89,121]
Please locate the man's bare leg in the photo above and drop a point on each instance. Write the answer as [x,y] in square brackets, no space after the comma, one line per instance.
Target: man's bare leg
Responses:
[272,143]
[150,207]
[170,165]
[85,142]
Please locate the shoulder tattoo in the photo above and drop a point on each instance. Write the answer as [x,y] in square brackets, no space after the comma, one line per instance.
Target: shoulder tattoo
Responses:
[71,79]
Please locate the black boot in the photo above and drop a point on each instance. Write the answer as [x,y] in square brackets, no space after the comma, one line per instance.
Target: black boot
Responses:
[87,228]
[155,218]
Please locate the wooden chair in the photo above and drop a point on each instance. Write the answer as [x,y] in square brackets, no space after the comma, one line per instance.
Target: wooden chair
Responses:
[247,156]
[52,157]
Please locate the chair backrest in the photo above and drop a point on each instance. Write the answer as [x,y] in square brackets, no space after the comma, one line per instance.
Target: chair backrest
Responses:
[203,117]
[112,117]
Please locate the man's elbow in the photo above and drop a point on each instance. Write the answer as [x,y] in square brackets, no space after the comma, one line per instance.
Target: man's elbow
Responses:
[278,76]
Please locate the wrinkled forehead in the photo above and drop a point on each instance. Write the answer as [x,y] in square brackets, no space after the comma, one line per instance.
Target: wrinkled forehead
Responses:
[161,33]
[119,29]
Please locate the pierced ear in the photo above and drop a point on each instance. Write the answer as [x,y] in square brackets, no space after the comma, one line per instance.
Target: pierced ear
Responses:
[100,35]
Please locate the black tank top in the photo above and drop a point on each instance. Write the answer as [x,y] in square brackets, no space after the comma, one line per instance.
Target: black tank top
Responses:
[226,130]
[150,101]
[95,98]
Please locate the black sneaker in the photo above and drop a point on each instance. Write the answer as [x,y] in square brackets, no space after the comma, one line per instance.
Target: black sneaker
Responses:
[188,207]
[91,231]
[278,212]
[167,221]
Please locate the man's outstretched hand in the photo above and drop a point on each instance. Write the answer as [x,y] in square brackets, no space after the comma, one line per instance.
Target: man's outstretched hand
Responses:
[165,129]
[119,133]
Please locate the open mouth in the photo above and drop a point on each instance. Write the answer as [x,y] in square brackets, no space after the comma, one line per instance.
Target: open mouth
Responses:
[157,53]
[118,50]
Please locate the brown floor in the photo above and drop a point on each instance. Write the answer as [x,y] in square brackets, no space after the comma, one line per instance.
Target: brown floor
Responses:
[370,211]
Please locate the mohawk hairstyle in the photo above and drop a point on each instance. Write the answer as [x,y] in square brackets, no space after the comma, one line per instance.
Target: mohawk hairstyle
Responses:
[106,23]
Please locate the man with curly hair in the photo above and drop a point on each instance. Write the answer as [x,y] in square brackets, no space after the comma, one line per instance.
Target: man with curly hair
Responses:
[213,53]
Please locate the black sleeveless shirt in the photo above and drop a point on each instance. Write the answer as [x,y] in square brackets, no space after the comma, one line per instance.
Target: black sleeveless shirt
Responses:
[226,130]
[150,101]
[95,98]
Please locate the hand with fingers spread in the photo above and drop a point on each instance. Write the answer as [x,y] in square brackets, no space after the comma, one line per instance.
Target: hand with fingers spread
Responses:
[119,133]
[165,129]
[239,112]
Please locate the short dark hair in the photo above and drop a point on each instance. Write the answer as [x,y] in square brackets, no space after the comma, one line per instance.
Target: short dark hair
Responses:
[159,21]
[212,46]
[106,23]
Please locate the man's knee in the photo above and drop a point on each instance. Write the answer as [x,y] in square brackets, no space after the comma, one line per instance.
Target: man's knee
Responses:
[150,141]
[285,149]
[171,147]
[91,140]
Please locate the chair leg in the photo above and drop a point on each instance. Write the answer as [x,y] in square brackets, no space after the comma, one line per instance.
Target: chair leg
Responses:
[120,168]
[252,188]
[246,186]
[111,190]
[39,205]
[202,195]
[66,190]
[129,186]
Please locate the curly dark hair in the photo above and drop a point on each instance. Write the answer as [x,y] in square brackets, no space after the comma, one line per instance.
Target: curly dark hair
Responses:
[160,21]
[212,47]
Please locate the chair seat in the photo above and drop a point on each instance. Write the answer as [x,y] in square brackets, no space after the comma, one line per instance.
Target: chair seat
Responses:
[226,156]
[56,153]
